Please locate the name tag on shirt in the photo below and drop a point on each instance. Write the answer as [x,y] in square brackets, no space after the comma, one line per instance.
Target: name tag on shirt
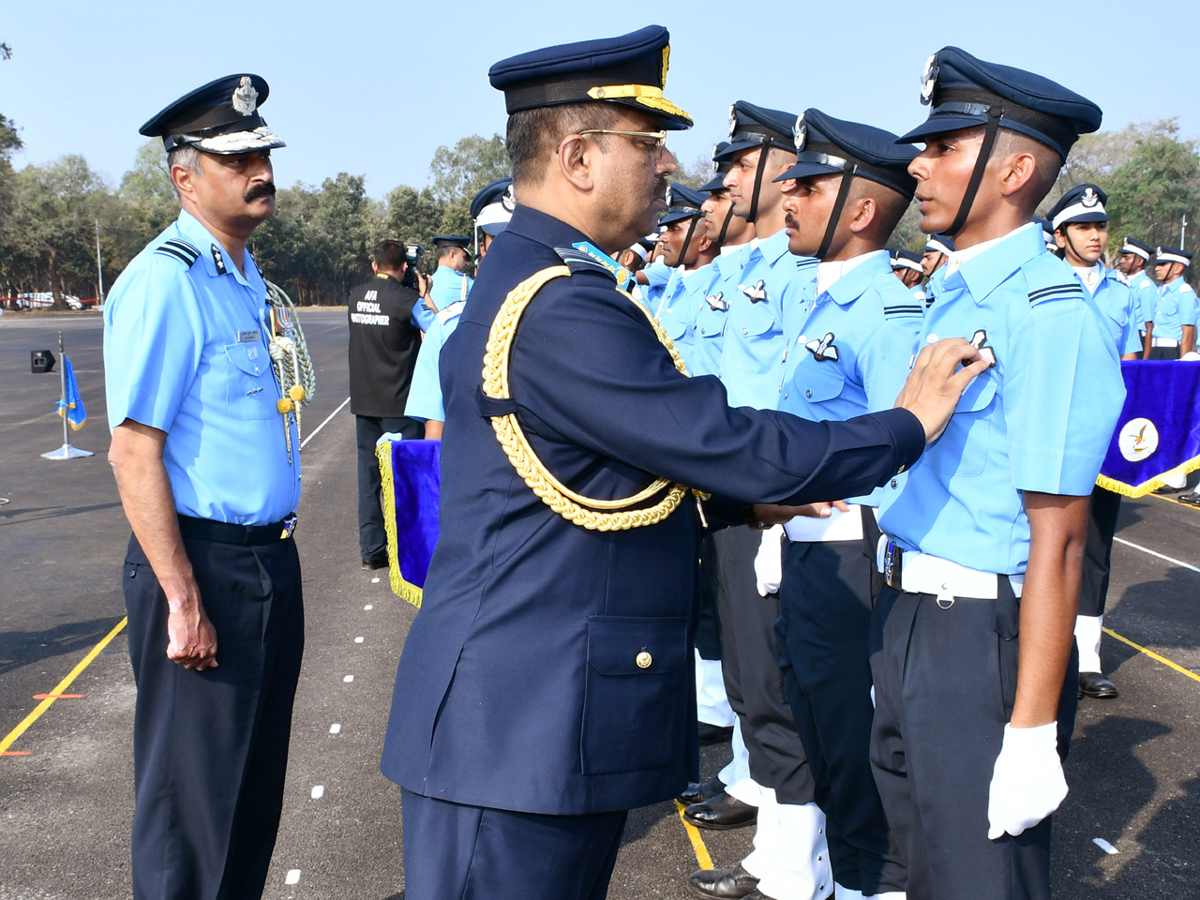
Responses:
[245,337]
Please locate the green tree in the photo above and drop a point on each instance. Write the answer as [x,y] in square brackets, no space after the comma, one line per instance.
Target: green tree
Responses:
[474,162]
[415,217]
[699,172]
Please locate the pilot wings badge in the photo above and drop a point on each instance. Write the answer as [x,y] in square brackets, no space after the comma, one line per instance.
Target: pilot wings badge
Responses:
[717,301]
[757,292]
[823,349]
[979,342]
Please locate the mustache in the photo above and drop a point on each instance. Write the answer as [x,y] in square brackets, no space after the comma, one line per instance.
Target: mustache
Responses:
[789,221]
[660,186]
[262,189]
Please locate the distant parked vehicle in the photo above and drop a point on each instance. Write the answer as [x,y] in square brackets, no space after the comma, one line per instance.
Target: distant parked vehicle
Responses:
[44,300]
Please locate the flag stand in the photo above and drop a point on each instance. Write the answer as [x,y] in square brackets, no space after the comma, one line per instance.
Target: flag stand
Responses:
[66,451]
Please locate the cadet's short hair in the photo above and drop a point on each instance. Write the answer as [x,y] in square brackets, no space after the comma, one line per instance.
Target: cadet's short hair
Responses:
[186,156]
[533,135]
[390,255]
[447,250]
[1048,162]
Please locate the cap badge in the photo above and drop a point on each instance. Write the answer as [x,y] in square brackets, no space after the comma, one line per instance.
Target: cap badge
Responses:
[733,121]
[245,98]
[929,80]
[800,132]
[670,196]
[1090,198]
[716,166]
[509,198]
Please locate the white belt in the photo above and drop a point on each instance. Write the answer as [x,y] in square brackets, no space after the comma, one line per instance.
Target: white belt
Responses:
[445,315]
[921,573]
[1163,342]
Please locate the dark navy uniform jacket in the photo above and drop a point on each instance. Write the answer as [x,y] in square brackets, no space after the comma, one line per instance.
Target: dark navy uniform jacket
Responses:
[519,687]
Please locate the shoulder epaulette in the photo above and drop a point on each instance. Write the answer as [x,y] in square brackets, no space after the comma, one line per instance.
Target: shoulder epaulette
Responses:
[585,257]
[180,249]
[903,309]
[1056,292]
[1186,288]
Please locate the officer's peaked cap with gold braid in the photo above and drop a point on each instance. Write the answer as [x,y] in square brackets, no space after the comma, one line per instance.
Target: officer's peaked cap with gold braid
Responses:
[630,70]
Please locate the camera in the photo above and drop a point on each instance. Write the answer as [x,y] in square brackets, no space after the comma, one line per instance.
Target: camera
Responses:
[413,258]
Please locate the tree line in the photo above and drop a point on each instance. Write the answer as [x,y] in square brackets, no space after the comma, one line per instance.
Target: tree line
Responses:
[319,243]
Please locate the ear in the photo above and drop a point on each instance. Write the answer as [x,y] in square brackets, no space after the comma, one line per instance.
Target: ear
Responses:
[1016,171]
[575,162]
[184,180]
[375,268]
[704,244]
[1060,238]
[865,209]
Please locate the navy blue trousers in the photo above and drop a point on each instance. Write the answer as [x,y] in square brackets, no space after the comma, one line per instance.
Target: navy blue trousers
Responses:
[945,682]
[458,852]
[750,666]
[372,538]
[1097,552]
[825,604]
[210,748]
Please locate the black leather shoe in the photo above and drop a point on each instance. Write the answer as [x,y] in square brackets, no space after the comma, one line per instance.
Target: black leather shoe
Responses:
[379,562]
[721,813]
[1094,684]
[1167,489]
[699,792]
[723,884]
[714,734]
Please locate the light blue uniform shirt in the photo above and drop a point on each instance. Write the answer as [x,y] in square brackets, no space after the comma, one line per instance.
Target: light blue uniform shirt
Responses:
[448,288]
[185,351]
[1175,307]
[1039,420]
[657,276]
[753,344]
[1145,291]
[679,306]
[1114,299]
[425,393]
[852,354]
[708,331]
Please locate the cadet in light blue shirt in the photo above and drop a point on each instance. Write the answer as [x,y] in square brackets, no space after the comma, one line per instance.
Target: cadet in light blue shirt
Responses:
[451,284]
[1080,227]
[189,356]
[1172,331]
[1132,262]
[687,253]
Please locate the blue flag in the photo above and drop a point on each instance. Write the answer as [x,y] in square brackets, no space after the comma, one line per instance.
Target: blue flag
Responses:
[412,483]
[72,403]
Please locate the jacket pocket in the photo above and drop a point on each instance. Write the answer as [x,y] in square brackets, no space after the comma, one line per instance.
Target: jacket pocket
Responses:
[250,387]
[636,693]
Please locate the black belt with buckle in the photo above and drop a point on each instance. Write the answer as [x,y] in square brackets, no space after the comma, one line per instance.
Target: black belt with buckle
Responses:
[893,559]
[230,533]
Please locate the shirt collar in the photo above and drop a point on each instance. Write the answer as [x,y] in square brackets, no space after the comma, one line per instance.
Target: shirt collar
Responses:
[210,250]
[774,247]
[1091,276]
[544,229]
[983,267]
[726,249]
[1174,285]
[830,275]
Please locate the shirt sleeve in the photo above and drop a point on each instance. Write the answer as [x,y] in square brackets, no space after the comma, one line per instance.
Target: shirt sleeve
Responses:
[1189,307]
[153,341]
[1062,395]
[886,358]
[422,316]
[425,393]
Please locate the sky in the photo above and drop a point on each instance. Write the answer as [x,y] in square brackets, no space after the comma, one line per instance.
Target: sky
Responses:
[374,88]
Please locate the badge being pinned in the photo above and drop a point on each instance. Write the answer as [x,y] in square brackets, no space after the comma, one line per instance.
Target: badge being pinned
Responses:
[756,292]
[823,349]
[245,97]
[979,342]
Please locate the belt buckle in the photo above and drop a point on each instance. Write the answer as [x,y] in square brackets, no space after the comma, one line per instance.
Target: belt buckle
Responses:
[893,558]
[289,527]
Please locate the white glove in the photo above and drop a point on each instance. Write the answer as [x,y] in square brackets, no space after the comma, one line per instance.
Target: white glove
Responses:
[768,563]
[1027,783]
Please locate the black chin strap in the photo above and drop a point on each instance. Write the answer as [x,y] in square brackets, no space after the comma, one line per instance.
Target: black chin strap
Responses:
[758,177]
[720,241]
[985,153]
[848,170]
[1066,230]
[688,239]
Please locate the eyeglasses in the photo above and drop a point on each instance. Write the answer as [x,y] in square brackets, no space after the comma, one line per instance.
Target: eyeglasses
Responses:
[659,138]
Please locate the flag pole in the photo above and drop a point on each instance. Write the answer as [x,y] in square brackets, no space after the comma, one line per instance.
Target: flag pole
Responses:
[66,451]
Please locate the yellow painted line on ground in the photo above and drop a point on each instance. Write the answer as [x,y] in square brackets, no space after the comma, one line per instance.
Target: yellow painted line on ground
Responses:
[693,834]
[1150,653]
[59,688]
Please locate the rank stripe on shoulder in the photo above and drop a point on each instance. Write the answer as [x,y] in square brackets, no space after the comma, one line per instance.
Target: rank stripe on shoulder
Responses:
[1065,290]
[181,250]
[915,309]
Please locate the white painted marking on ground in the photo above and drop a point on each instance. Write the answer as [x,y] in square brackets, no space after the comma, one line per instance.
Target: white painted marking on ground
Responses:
[1105,846]
[1153,553]
[369,606]
[303,444]
[335,728]
[293,877]
[348,679]
[375,580]
[358,640]
[318,791]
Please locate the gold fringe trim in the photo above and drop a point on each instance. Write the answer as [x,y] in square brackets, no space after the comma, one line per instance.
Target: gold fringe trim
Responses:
[1146,487]
[571,506]
[401,588]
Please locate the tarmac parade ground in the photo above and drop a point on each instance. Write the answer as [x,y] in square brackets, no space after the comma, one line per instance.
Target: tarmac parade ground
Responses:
[1130,828]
